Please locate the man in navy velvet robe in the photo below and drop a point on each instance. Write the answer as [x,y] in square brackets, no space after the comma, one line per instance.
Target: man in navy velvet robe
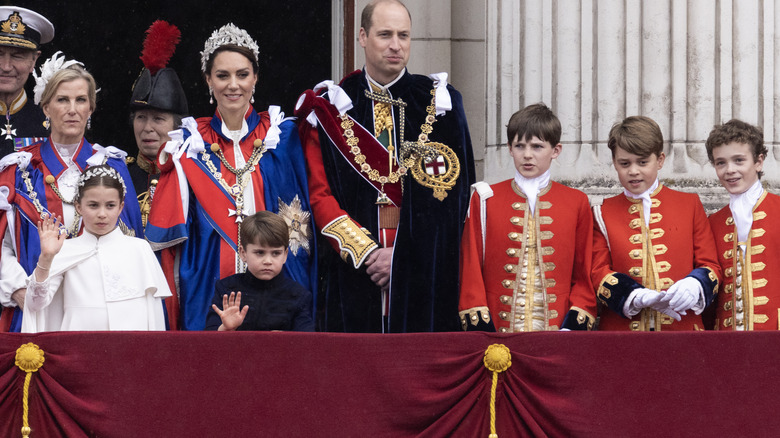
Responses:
[390,168]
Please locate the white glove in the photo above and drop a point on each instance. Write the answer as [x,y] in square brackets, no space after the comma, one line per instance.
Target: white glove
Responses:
[640,299]
[664,308]
[643,298]
[685,294]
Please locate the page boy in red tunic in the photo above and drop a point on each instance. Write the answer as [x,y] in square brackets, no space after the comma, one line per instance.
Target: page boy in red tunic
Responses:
[654,261]
[746,238]
[526,246]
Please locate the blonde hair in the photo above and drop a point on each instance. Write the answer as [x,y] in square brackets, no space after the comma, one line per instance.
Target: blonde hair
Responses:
[68,74]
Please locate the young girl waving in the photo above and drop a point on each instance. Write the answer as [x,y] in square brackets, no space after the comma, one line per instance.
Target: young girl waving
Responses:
[101,280]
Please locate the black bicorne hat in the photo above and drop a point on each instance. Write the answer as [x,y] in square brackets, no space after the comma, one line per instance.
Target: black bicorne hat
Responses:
[162,91]
[158,87]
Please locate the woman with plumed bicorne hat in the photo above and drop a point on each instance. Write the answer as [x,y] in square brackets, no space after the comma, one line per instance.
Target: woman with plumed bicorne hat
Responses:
[157,107]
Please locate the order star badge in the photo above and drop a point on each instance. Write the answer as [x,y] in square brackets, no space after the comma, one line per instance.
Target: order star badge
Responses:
[8,131]
[299,223]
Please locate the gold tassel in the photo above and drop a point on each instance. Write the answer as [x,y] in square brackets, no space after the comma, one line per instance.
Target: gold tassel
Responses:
[497,359]
[29,358]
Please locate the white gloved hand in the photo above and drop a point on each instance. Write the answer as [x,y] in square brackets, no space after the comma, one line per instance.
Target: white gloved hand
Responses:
[664,308]
[684,295]
[640,299]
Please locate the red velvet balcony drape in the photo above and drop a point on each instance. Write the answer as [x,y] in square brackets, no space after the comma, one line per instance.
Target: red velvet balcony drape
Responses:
[432,385]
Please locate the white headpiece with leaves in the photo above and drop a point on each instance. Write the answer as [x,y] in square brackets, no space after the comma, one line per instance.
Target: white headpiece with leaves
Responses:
[51,66]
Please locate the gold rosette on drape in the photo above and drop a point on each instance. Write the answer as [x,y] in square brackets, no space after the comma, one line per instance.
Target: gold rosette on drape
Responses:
[29,358]
[497,359]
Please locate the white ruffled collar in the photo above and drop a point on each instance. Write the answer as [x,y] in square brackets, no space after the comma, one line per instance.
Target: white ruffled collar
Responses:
[742,205]
[532,186]
[646,201]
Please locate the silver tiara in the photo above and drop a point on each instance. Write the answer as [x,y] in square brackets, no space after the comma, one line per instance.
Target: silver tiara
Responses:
[51,66]
[227,34]
[99,171]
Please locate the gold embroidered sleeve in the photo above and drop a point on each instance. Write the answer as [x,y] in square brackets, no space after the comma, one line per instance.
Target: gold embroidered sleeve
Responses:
[603,290]
[584,317]
[473,316]
[355,243]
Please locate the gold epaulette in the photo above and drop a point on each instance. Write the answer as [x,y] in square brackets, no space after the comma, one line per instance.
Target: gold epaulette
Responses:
[354,242]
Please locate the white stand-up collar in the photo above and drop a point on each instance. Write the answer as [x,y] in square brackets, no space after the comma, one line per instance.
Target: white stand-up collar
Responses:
[532,186]
[742,205]
[384,88]
[645,197]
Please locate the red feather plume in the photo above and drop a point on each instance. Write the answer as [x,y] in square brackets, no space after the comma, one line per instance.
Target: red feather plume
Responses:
[159,45]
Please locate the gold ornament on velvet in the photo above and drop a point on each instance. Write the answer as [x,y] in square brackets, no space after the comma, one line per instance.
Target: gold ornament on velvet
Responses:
[29,358]
[497,359]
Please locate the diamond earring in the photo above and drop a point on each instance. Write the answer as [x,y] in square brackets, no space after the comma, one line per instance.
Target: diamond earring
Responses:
[211,96]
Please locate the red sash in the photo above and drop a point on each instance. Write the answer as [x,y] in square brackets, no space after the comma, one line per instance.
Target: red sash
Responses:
[376,154]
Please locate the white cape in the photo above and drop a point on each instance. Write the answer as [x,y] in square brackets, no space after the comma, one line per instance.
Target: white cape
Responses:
[112,282]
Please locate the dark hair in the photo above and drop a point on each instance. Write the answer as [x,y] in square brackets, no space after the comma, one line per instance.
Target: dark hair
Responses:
[265,228]
[100,176]
[535,120]
[232,48]
[638,135]
[737,131]
[368,13]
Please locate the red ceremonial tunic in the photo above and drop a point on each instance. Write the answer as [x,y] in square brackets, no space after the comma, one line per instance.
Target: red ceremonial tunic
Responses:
[750,298]
[677,242]
[563,234]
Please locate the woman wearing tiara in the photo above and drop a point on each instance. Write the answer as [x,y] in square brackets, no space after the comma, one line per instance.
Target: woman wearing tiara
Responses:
[218,170]
[41,180]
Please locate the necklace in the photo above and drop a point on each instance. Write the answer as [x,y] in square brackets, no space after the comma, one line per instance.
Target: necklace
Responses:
[414,155]
[392,177]
[73,230]
[424,152]
[8,131]
[236,190]
[52,183]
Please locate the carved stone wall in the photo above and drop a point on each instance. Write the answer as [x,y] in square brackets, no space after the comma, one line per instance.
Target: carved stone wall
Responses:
[688,64]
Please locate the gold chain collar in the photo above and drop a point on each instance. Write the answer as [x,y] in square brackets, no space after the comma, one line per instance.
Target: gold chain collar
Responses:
[236,190]
[74,227]
[408,157]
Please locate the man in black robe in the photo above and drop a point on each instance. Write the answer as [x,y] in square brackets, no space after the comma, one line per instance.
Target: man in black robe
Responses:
[390,170]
